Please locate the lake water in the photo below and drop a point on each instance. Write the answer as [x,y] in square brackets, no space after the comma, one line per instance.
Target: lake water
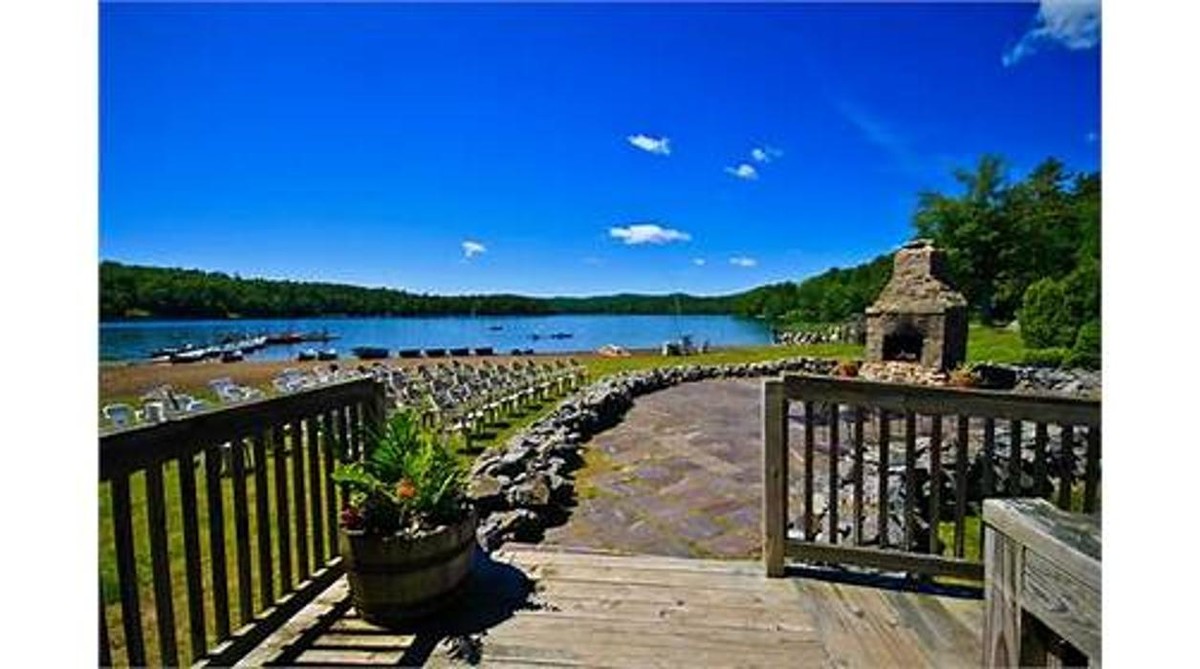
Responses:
[133,340]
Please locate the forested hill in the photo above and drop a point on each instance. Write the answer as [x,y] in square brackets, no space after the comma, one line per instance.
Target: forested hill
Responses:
[138,291]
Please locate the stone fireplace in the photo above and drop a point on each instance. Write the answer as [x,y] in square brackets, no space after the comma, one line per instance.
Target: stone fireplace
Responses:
[918,317]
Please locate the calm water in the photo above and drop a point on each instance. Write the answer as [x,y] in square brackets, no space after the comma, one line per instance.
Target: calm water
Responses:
[135,340]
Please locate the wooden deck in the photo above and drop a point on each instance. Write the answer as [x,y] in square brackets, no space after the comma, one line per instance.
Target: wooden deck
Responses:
[528,605]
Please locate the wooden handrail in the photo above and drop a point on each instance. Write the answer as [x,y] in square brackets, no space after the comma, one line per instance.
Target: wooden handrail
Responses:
[900,398]
[130,449]
[1043,564]
[896,412]
[280,451]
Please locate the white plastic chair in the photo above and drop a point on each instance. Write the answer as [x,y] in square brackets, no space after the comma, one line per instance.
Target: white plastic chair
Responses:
[119,415]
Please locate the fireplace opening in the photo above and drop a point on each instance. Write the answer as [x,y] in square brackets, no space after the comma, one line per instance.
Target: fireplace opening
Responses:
[904,345]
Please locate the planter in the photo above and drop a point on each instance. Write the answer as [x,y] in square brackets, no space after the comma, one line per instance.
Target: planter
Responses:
[396,579]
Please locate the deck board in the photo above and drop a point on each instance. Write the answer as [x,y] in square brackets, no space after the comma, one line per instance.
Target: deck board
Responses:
[530,606]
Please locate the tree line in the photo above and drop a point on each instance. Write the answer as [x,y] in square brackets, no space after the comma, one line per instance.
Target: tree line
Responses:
[132,291]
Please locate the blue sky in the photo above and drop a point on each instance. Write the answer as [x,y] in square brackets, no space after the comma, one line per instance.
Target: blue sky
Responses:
[554,149]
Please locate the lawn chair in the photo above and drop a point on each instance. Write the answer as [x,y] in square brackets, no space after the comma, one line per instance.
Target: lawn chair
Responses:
[118,415]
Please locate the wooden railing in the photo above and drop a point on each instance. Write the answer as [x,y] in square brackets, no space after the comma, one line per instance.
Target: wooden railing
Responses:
[243,491]
[1042,596]
[855,422]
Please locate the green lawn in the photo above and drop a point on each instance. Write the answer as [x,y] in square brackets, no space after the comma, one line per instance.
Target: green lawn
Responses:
[600,367]
[989,344]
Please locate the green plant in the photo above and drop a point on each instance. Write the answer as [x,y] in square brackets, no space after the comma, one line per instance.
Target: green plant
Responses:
[1045,357]
[1045,319]
[1086,352]
[408,479]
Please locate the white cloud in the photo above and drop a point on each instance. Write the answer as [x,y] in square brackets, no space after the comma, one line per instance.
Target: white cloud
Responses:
[648,233]
[659,145]
[472,249]
[744,171]
[743,261]
[1074,24]
[699,262]
[765,154]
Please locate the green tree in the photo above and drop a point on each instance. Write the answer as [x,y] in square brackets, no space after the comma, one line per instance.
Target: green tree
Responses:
[1045,321]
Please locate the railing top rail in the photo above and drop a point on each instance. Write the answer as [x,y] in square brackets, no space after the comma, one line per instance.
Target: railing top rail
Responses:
[937,400]
[128,449]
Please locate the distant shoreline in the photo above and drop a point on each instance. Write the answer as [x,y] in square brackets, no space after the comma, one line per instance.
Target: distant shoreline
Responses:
[340,317]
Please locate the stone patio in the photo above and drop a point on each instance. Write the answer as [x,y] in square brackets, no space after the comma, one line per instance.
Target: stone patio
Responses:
[680,475]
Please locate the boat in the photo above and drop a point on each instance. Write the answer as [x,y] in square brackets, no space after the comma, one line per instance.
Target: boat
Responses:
[495,328]
[613,351]
[307,354]
[190,355]
[561,335]
[409,353]
[166,351]
[327,354]
[369,352]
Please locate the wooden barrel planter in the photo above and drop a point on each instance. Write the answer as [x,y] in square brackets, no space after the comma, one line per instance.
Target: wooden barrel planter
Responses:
[397,579]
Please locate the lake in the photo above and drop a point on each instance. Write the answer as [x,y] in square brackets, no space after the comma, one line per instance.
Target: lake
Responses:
[134,340]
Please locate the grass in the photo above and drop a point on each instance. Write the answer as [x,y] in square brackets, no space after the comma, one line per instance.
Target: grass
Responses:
[989,344]
[599,367]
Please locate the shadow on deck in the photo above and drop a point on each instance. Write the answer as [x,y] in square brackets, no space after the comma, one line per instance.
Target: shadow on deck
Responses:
[527,605]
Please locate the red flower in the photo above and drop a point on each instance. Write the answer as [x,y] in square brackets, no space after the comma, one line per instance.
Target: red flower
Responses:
[405,489]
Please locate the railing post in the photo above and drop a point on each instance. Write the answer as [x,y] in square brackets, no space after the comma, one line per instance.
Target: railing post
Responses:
[375,413]
[775,451]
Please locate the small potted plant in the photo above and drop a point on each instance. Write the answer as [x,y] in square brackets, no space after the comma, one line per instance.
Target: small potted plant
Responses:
[407,530]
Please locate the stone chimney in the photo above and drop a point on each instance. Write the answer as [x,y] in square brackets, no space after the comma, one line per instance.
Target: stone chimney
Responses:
[918,317]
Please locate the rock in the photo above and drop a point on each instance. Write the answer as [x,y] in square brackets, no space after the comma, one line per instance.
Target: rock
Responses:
[561,488]
[487,492]
[996,377]
[505,526]
[529,494]
[512,461]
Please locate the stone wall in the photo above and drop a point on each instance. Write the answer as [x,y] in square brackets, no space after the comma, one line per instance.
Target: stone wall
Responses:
[853,331]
